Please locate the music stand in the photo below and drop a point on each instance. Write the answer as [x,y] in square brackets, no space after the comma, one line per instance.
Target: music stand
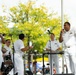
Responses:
[60,52]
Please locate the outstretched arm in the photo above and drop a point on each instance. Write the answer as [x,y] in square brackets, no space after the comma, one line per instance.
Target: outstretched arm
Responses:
[3,41]
[26,48]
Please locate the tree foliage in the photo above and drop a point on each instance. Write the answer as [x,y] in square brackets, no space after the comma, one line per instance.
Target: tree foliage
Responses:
[3,25]
[34,22]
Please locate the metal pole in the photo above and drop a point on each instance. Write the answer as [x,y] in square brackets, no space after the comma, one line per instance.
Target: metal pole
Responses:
[29,53]
[62,16]
[62,22]
[43,64]
[32,62]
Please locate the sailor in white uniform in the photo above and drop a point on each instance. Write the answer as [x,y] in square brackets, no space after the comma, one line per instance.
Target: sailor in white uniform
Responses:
[68,37]
[7,48]
[1,56]
[53,45]
[19,52]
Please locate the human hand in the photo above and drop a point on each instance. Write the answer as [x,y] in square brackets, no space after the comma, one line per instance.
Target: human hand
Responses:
[0,35]
[30,47]
[52,51]
[62,31]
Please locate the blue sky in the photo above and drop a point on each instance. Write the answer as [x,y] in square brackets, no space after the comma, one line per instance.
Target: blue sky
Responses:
[55,5]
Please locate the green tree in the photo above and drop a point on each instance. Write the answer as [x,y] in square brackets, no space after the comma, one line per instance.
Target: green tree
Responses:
[3,25]
[34,22]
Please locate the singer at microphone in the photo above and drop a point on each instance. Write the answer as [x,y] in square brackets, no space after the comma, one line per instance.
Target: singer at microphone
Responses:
[68,38]
[53,46]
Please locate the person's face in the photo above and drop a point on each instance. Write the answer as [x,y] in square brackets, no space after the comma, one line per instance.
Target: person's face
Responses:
[52,36]
[8,43]
[66,27]
[23,39]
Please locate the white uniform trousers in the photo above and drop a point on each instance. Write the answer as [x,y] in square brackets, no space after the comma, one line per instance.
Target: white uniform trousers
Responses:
[54,62]
[70,59]
[1,59]
[18,65]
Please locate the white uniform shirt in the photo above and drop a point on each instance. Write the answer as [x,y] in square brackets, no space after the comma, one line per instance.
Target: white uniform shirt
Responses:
[8,50]
[53,45]
[0,44]
[18,45]
[1,57]
[0,47]
[69,38]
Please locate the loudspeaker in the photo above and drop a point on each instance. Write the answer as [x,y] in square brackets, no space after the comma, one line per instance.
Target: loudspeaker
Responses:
[63,74]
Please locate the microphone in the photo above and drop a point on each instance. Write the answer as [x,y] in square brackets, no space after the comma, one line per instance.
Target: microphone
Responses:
[49,31]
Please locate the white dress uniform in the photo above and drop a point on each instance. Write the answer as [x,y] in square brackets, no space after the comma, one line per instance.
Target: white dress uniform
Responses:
[69,42]
[53,45]
[8,50]
[18,60]
[1,57]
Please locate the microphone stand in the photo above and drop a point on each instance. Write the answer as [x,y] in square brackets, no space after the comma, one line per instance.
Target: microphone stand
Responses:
[13,54]
[35,61]
[50,57]
[51,61]
[28,53]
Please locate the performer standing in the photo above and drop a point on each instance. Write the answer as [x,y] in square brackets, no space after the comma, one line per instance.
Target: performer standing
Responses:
[19,52]
[1,56]
[68,37]
[7,52]
[6,49]
[1,41]
[53,46]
